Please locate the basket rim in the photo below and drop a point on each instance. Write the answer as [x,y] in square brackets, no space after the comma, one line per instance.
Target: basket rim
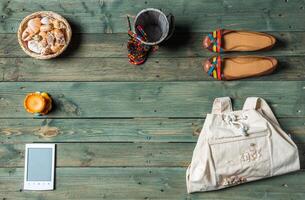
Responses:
[46,13]
[160,12]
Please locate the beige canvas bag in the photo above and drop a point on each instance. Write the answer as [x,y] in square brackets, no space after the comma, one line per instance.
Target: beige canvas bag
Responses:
[235,147]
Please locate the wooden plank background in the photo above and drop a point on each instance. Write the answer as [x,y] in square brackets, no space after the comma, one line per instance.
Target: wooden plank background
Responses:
[126,132]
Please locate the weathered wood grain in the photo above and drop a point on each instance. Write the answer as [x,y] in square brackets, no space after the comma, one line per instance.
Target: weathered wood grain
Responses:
[103,151]
[150,99]
[144,183]
[108,16]
[115,154]
[180,45]
[107,154]
[117,130]
[119,69]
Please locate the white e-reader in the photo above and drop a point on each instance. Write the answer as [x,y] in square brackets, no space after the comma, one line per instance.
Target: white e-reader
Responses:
[39,167]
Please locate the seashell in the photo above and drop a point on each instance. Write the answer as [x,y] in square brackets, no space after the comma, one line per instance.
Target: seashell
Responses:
[27,35]
[37,38]
[59,36]
[51,20]
[55,48]
[57,33]
[34,46]
[46,51]
[45,20]
[58,24]
[50,38]
[43,34]
[34,25]
[62,25]
[43,42]
[45,28]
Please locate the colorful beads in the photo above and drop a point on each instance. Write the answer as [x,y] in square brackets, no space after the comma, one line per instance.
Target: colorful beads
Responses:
[137,51]
[215,41]
[214,34]
[215,68]
[214,48]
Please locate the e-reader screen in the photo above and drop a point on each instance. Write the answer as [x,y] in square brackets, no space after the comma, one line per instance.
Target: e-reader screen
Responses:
[39,164]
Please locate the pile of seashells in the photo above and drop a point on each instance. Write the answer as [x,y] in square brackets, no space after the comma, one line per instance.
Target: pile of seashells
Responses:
[44,35]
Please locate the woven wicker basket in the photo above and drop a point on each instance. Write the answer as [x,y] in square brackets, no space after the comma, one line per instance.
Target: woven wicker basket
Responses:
[23,24]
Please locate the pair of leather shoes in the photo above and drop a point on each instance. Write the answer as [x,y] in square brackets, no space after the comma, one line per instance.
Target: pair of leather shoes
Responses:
[238,67]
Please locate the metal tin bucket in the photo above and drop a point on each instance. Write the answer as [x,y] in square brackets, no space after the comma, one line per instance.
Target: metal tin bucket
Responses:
[157,25]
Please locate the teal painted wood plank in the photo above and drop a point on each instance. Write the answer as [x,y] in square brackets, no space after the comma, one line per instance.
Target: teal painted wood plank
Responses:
[144,183]
[150,99]
[180,45]
[115,154]
[107,154]
[122,130]
[109,16]
[119,69]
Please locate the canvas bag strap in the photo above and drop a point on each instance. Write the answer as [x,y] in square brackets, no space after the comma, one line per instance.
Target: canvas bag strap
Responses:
[222,105]
[257,103]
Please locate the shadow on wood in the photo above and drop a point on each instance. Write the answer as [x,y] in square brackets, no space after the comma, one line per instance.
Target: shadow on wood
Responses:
[181,37]
[280,43]
[75,42]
